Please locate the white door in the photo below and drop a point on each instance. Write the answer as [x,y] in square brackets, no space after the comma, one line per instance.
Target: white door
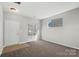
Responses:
[11,30]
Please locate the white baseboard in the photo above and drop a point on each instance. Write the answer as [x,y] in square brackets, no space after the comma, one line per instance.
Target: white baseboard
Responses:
[18,43]
[25,41]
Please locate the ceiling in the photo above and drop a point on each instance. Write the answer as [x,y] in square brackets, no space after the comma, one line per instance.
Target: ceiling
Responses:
[40,10]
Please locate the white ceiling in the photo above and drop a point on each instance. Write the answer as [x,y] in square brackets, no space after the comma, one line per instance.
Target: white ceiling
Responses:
[40,10]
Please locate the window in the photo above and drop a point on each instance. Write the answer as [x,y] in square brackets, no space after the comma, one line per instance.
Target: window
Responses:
[58,22]
[31,29]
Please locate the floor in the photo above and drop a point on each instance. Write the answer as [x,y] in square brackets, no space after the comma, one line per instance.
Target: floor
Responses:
[14,47]
[39,48]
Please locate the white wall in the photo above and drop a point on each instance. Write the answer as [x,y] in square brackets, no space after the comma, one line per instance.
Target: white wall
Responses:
[24,29]
[1,29]
[67,35]
[20,23]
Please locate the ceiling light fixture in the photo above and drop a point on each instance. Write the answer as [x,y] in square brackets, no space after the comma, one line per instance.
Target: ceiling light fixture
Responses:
[13,9]
[18,3]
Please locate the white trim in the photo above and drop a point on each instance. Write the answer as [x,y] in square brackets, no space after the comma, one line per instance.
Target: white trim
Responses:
[25,42]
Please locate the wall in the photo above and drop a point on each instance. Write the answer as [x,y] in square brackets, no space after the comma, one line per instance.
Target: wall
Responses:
[1,29]
[24,29]
[19,24]
[67,35]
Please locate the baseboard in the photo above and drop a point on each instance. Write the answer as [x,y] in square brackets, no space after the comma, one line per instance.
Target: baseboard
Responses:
[25,42]
[18,43]
[61,44]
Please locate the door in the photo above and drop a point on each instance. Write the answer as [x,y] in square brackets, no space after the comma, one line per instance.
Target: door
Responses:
[11,30]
